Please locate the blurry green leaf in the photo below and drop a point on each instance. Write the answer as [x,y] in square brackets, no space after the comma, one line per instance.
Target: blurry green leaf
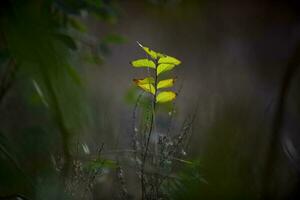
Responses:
[96,3]
[105,11]
[131,95]
[76,24]
[67,40]
[186,183]
[74,74]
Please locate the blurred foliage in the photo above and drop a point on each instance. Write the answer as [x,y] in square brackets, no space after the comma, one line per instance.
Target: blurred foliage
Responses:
[37,47]
[101,164]
[232,165]
[185,183]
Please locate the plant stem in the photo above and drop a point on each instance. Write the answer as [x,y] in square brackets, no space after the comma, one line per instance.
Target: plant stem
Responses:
[149,135]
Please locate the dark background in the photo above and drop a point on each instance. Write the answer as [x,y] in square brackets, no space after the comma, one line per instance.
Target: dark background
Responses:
[240,64]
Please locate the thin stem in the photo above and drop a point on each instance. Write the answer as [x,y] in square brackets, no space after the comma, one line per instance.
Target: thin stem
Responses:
[149,135]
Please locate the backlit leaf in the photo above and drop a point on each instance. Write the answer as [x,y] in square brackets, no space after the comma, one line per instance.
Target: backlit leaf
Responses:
[146,80]
[164,67]
[143,63]
[169,60]
[165,83]
[142,83]
[150,52]
[164,97]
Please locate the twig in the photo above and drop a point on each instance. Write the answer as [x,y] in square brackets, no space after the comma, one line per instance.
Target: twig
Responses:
[120,175]
[149,135]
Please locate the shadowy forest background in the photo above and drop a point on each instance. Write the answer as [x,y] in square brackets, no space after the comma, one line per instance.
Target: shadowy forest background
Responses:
[67,97]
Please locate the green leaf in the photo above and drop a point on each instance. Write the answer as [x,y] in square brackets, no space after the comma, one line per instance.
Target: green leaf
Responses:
[164,97]
[143,63]
[153,54]
[169,60]
[146,80]
[146,84]
[165,83]
[131,95]
[164,68]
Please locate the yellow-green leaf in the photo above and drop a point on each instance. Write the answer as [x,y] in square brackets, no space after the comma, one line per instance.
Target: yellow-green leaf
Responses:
[143,63]
[160,55]
[166,96]
[153,54]
[164,67]
[165,83]
[147,86]
[169,60]
[146,80]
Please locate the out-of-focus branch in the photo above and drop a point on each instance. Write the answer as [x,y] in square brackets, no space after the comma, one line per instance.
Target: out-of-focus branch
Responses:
[276,131]
[7,79]
[8,75]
